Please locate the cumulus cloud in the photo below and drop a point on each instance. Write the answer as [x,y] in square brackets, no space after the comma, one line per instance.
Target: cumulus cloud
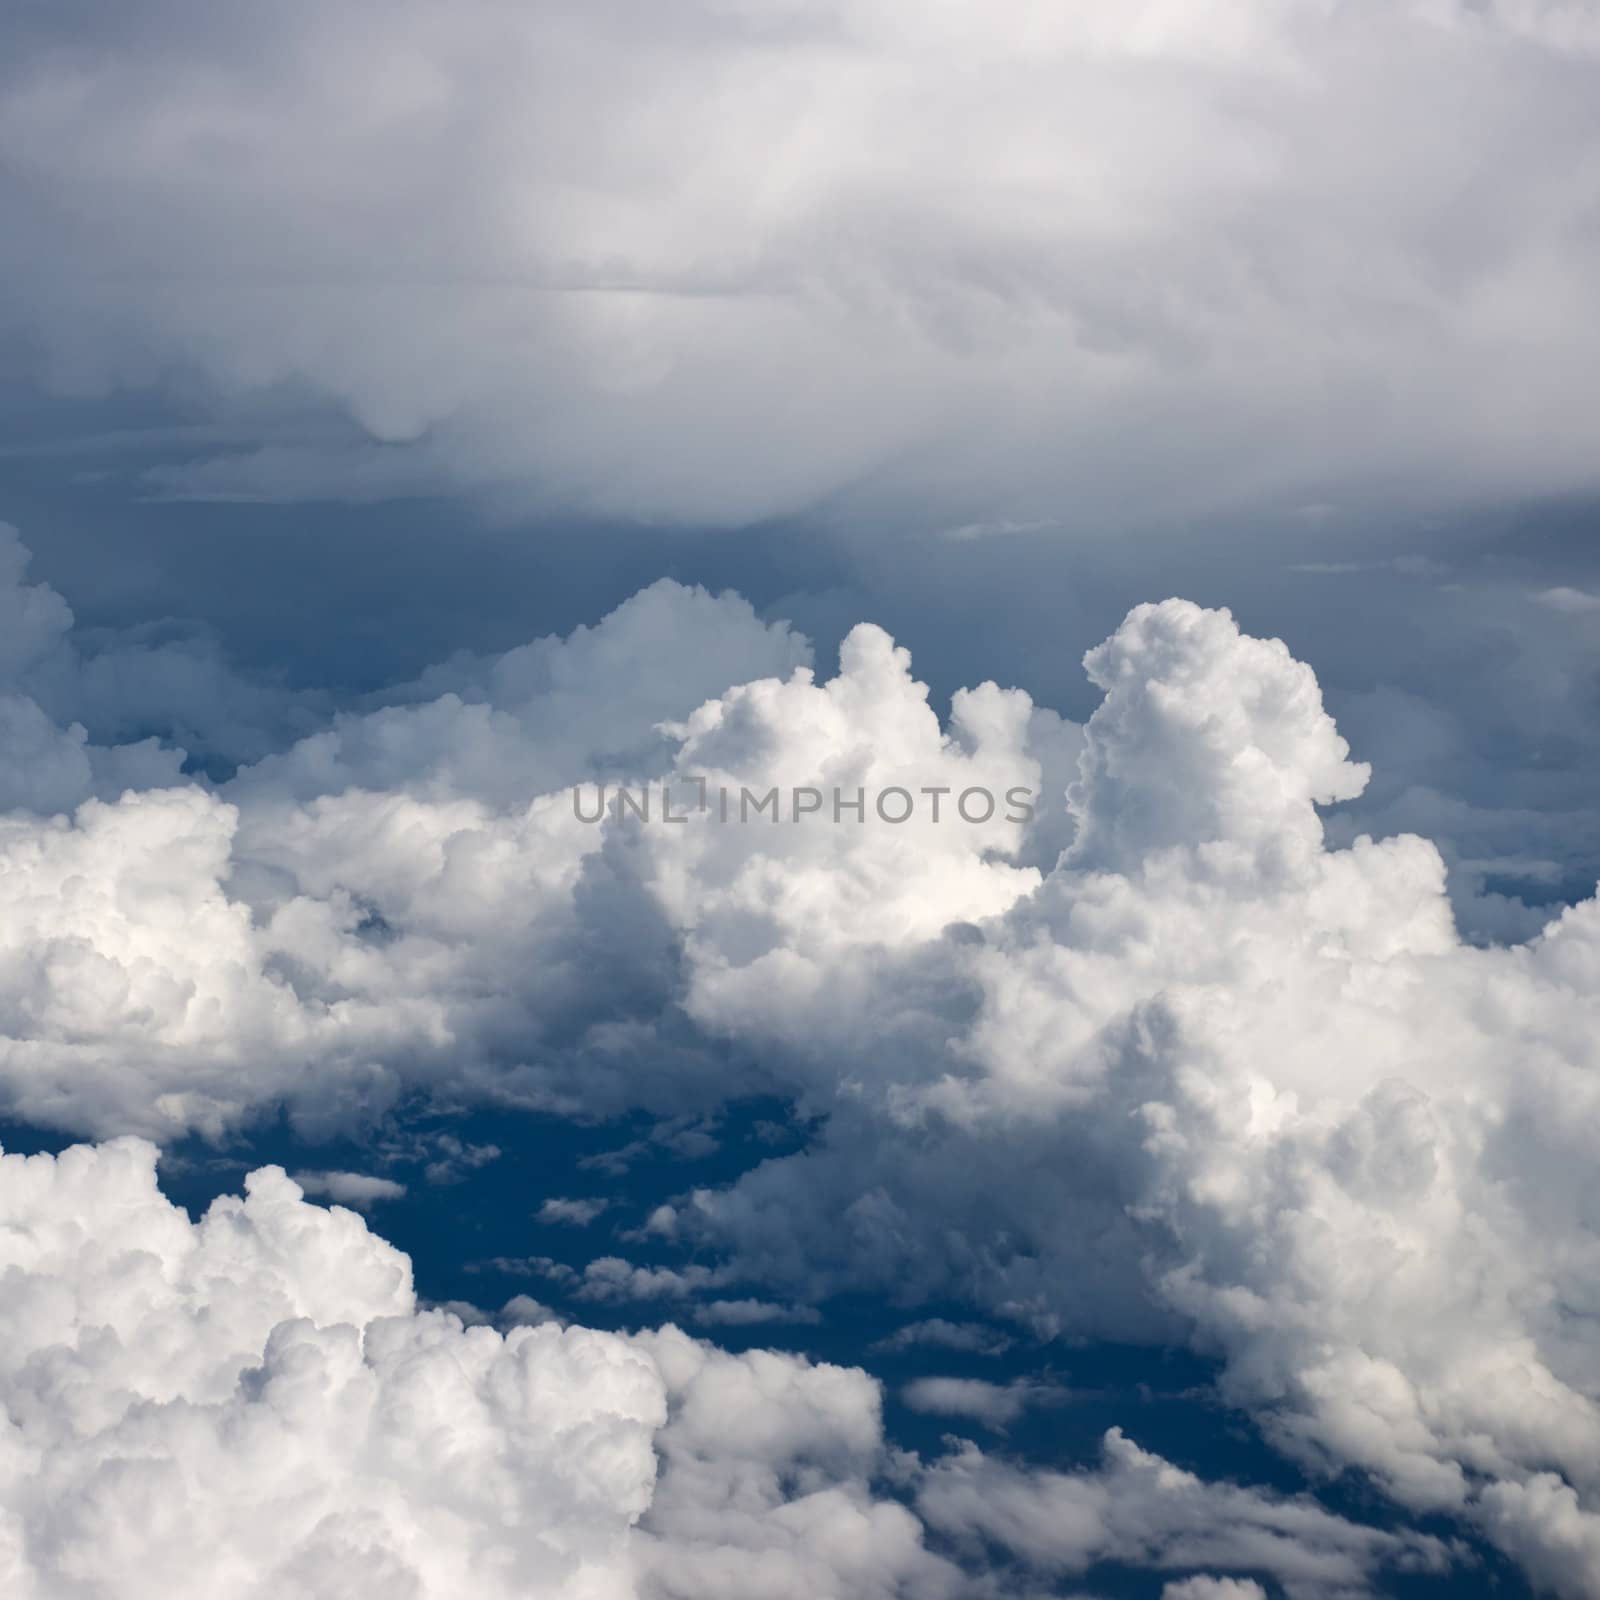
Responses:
[768,1465]
[265,1374]
[722,262]
[1275,1094]
[1167,1063]
[173,955]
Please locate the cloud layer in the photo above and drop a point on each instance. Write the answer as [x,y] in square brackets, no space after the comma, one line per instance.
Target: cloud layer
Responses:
[266,1375]
[1155,1063]
[726,261]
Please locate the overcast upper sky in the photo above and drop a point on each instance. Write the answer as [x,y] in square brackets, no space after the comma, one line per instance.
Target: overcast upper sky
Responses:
[968,264]
[414,416]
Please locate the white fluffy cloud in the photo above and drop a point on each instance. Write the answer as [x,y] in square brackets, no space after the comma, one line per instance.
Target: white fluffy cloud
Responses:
[399,896]
[1203,1077]
[768,1467]
[1212,1067]
[265,1376]
[723,261]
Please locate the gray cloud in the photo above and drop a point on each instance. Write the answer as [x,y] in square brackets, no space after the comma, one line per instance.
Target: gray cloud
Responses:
[995,1405]
[719,263]
[1141,1509]
[358,1189]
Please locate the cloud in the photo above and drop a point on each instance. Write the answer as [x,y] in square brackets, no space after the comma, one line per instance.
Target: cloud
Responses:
[1171,1063]
[724,263]
[611,1278]
[995,1405]
[1203,1588]
[577,1213]
[1213,1068]
[51,765]
[939,1332]
[1138,1508]
[450,1158]
[183,954]
[106,697]
[766,1484]
[265,1372]
[751,1313]
[356,1189]
[1573,602]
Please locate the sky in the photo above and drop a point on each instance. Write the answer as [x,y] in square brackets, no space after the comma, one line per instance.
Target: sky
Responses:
[797,800]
